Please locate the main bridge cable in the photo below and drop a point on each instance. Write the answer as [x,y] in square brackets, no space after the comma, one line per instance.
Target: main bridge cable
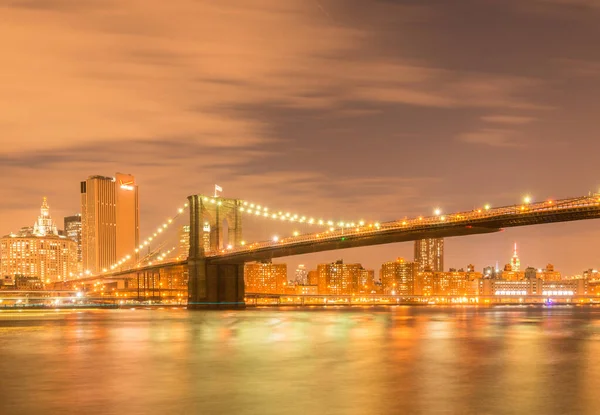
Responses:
[120,264]
[583,201]
[257,210]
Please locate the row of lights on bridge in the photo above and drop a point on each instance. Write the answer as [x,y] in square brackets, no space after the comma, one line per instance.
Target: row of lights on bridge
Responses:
[149,239]
[263,211]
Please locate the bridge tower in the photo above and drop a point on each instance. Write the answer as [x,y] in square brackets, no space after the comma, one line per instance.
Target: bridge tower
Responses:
[214,285]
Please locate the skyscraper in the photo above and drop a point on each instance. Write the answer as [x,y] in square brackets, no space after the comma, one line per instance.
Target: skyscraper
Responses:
[429,253]
[73,231]
[109,220]
[514,261]
[44,225]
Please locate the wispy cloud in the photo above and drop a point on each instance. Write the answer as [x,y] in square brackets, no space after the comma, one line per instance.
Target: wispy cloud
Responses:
[508,119]
[492,137]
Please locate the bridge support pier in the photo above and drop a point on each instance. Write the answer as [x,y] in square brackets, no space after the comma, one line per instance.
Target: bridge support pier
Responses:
[215,286]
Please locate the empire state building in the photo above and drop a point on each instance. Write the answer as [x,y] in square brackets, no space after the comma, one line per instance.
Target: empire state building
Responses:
[515,263]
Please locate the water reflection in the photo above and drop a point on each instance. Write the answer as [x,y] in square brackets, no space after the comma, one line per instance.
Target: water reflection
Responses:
[393,360]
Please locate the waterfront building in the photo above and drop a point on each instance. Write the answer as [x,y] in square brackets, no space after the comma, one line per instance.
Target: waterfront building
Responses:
[565,287]
[344,279]
[301,276]
[109,220]
[530,272]
[39,252]
[491,272]
[307,289]
[265,278]
[499,287]
[549,274]
[429,254]
[398,277]
[509,274]
[425,283]
[313,277]
[453,283]
[456,283]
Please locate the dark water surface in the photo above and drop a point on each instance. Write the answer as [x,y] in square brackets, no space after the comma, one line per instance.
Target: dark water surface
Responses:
[396,360]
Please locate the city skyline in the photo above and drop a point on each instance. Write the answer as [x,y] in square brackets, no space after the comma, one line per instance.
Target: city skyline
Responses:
[263,117]
[358,254]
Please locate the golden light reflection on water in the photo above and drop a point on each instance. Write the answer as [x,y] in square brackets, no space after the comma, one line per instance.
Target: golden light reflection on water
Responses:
[346,361]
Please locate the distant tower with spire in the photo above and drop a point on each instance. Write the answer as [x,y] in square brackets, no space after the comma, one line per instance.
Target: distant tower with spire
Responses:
[514,261]
[44,224]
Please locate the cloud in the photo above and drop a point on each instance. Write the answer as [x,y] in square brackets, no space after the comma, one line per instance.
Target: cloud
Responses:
[492,137]
[581,4]
[129,70]
[580,68]
[508,119]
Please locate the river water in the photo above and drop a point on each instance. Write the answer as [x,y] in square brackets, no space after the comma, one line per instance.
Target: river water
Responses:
[396,360]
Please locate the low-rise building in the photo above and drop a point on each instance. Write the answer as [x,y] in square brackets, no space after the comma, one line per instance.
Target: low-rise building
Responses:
[265,278]
[398,277]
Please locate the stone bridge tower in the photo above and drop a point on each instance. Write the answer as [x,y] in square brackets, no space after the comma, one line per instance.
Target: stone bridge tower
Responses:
[214,285]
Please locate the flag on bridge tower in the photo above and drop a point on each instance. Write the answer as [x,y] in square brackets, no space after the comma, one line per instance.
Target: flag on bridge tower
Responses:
[218,189]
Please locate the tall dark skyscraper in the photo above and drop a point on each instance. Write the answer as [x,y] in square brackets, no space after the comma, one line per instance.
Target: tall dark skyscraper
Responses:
[429,253]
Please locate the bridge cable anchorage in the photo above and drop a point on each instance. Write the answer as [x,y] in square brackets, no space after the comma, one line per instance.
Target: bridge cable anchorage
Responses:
[118,265]
[262,211]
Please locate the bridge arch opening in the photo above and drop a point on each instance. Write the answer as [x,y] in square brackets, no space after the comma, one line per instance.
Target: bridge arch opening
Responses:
[224,234]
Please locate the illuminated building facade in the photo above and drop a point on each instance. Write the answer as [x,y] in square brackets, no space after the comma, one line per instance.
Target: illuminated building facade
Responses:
[453,283]
[184,242]
[338,278]
[491,272]
[425,283]
[398,277]
[566,287]
[456,283]
[429,254]
[515,263]
[73,232]
[44,225]
[265,278]
[591,274]
[39,252]
[313,277]
[301,276]
[549,274]
[307,289]
[534,286]
[109,220]
[509,274]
